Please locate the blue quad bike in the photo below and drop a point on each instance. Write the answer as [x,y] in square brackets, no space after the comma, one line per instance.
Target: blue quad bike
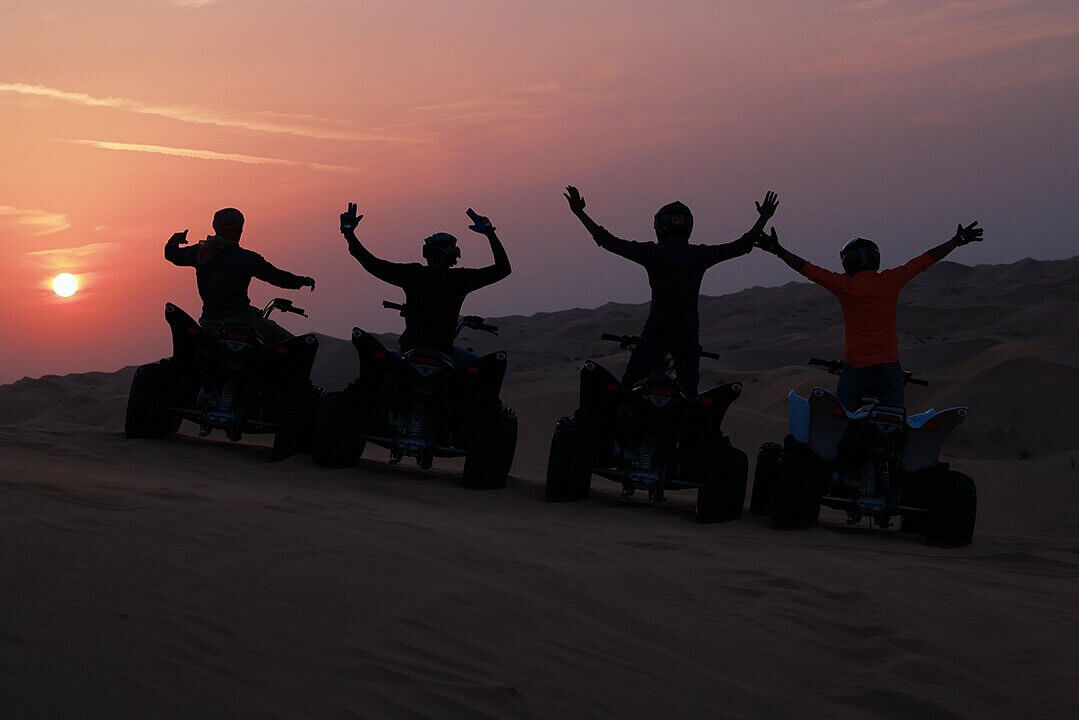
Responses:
[874,462]
[649,437]
[420,404]
[230,379]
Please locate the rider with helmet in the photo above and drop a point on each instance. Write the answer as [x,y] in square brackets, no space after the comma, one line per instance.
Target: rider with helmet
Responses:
[675,271]
[868,299]
[223,271]
[434,292]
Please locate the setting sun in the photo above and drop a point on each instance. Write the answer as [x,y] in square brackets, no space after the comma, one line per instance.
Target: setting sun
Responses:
[65,284]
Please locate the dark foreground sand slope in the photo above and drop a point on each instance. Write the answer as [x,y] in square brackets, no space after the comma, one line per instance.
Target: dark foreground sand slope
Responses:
[194,578]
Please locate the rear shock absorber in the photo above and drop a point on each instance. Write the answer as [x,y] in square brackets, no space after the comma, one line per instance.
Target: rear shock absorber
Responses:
[648,449]
[228,393]
[415,425]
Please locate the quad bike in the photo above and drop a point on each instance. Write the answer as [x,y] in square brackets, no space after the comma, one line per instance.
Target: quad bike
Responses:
[874,462]
[229,379]
[420,404]
[650,437]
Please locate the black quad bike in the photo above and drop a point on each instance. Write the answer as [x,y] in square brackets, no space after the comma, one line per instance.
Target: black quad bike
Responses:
[649,437]
[420,404]
[229,379]
[874,462]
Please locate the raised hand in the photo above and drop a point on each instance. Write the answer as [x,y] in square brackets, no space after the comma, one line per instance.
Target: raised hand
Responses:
[349,221]
[480,224]
[575,199]
[768,243]
[968,234]
[768,208]
[179,238]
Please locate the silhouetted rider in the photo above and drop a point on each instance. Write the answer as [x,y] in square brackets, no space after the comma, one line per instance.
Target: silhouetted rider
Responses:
[434,292]
[223,271]
[868,299]
[675,271]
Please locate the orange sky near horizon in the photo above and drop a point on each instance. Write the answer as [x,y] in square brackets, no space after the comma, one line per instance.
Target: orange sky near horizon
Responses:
[122,121]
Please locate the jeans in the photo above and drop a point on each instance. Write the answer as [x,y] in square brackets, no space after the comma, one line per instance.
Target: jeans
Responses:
[648,356]
[883,382]
[461,358]
[272,333]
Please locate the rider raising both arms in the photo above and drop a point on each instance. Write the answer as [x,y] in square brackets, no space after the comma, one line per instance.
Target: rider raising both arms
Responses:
[434,292]
[223,271]
[868,299]
[675,271]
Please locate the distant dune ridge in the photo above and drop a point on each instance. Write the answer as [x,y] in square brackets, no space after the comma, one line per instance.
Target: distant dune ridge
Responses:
[195,578]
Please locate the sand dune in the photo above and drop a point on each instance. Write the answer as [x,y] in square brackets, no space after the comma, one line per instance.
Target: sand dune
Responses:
[194,578]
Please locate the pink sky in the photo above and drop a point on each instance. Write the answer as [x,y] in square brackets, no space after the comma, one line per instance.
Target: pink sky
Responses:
[122,121]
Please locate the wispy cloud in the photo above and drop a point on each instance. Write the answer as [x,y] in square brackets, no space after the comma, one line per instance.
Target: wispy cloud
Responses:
[80,251]
[193,3]
[206,155]
[263,121]
[39,222]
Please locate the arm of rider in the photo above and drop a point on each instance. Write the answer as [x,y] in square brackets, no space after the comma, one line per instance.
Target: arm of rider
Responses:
[266,272]
[744,245]
[483,226]
[770,243]
[384,270]
[635,251]
[180,255]
[963,235]
[576,205]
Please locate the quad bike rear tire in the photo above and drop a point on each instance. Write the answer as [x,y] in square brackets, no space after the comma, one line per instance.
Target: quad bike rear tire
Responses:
[491,447]
[952,510]
[336,442]
[296,420]
[569,465]
[724,497]
[765,478]
[148,403]
[796,502]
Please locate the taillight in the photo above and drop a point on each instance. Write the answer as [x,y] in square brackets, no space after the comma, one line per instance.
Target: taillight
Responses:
[612,387]
[706,400]
[473,370]
[192,330]
[282,350]
[238,336]
[380,355]
[661,391]
[838,411]
[931,425]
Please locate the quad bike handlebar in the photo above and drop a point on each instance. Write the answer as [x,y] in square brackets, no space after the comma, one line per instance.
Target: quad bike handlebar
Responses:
[473,322]
[627,342]
[282,305]
[835,367]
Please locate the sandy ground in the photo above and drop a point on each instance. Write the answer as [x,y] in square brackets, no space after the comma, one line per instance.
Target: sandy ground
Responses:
[194,578]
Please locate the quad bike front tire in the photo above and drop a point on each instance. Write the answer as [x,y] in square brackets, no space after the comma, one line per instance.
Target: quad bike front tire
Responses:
[766,478]
[569,465]
[336,442]
[296,420]
[796,501]
[953,509]
[148,403]
[722,499]
[491,447]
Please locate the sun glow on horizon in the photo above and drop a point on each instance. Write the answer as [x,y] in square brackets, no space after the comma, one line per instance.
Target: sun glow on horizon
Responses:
[65,284]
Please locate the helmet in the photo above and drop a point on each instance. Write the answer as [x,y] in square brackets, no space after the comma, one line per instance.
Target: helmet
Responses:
[674,219]
[441,249]
[860,254]
[229,223]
